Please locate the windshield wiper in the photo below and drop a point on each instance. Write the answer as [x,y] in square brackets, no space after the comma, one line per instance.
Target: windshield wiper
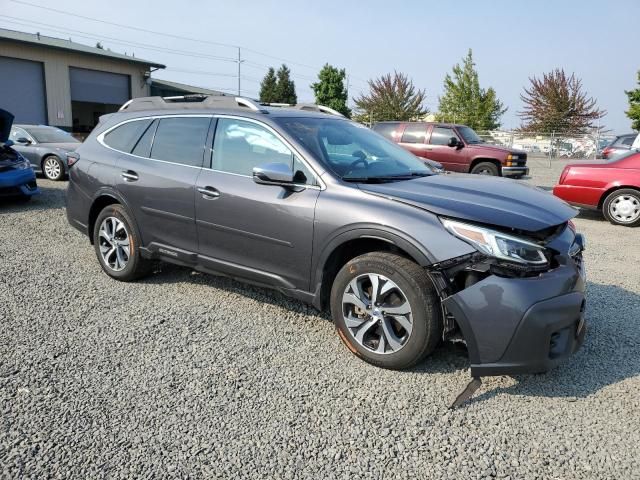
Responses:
[388,178]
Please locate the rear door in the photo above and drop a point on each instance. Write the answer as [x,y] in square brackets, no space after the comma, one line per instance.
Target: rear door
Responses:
[414,139]
[452,158]
[262,233]
[157,176]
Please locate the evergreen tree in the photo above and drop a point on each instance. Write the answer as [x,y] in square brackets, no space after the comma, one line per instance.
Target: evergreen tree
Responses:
[465,102]
[330,89]
[391,97]
[556,103]
[268,87]
[634,106]
[285,91]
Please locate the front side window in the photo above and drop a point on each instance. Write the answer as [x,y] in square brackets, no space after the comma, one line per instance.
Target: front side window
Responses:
[441,135]
[469,135]
[240,146]
[125,136]
[352,151]
[16,133]
[181,140]
[414,133]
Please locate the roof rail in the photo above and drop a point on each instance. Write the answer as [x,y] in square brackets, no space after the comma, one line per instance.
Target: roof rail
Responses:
[191,101]
[307,106]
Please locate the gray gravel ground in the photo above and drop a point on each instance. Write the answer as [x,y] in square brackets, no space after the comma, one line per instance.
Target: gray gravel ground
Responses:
[187,375]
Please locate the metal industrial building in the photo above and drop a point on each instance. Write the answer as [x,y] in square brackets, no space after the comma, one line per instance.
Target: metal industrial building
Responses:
[46,80]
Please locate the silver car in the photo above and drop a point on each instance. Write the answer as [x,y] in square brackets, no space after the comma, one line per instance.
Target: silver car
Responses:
[45,147]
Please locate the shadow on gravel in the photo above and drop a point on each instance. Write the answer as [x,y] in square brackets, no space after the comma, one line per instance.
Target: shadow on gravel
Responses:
[610,354]
[49,198]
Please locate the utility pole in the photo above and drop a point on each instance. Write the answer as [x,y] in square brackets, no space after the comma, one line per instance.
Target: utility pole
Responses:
[239,63]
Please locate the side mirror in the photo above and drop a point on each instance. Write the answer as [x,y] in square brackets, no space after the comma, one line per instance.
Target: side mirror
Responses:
[454,142]
[273,174]
[23,141]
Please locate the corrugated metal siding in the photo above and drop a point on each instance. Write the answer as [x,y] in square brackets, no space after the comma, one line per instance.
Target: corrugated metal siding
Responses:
[22,90]
[56,73]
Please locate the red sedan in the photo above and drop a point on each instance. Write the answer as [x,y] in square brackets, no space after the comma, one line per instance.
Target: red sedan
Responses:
[613,187]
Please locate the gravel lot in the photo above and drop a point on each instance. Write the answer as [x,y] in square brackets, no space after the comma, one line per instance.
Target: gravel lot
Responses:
[187,375]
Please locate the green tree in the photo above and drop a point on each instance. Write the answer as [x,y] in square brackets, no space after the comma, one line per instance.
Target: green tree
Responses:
[391,97]
[330,89]
[465,102]
[557,103]
[285,88]
[634,106]
[268,87]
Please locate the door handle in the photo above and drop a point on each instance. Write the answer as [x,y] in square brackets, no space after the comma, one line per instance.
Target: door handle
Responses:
[209,192]
[129,175]
[429,149]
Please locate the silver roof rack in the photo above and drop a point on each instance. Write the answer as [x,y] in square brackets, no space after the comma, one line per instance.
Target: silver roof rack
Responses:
[215,101]
[312,107]
[191,101]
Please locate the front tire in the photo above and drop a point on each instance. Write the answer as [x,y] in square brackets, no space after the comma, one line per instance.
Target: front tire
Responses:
[116,243]
[386,310]
[52,168]
[486,168]
[622,207]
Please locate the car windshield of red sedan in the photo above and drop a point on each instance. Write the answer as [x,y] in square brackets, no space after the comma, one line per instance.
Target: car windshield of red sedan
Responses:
[469,135]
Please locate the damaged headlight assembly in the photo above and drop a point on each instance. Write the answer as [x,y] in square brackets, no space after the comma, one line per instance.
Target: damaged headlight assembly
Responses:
[498,244]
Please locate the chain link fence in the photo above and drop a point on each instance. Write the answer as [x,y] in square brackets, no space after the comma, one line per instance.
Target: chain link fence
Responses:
[551,145]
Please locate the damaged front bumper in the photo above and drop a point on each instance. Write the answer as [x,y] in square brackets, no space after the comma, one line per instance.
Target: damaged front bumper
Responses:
[525,324]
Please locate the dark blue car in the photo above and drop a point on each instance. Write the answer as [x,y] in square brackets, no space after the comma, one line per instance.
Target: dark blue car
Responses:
[17,178]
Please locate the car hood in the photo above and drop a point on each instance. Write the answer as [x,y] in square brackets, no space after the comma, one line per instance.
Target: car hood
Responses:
[479,198]
[69,147]
[497,148]
[6,121]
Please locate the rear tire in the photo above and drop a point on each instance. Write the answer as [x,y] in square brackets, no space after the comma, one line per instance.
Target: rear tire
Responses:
[397,327]
[486,168]
[116,242]
[52,168]
[622,207]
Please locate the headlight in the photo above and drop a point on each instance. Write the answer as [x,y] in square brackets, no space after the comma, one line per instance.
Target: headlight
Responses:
[511,156]
[24,164]
[497,244]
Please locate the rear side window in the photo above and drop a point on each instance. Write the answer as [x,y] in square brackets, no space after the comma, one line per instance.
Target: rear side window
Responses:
[414,133]
[387,130]
[181,140]
[124,137]
[441,135]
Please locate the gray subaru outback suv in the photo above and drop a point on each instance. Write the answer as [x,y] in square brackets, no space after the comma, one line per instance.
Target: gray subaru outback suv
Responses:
[331,213]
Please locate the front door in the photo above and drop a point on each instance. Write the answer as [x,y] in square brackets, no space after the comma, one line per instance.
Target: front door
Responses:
[262,233]
[157,179]
[451,158]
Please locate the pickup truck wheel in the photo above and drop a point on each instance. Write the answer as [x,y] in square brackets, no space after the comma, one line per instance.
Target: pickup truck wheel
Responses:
[386,310]
[622,207]
[116,243]
[486,168]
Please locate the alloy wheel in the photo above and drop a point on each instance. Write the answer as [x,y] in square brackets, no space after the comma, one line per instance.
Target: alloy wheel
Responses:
[377,313]
[625,208]
[114,243]
[52,168]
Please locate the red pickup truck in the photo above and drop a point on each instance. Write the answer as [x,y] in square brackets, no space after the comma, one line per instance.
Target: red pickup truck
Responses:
[457,147]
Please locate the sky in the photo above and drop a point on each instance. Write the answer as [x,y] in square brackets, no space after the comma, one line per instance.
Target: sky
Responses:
[511,41]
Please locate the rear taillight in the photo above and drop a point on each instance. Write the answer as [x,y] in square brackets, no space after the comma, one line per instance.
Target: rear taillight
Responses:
[72,158]
[565,172]
[606,151]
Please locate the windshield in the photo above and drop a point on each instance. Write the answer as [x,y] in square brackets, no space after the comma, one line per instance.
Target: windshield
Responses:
[469,135]
[354,152]
[50,135]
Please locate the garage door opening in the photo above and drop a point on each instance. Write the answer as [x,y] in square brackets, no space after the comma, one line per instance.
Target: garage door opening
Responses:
[95,93]
[22,90]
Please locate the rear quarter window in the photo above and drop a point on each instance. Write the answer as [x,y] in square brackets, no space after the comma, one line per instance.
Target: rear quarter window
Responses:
[124,137]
